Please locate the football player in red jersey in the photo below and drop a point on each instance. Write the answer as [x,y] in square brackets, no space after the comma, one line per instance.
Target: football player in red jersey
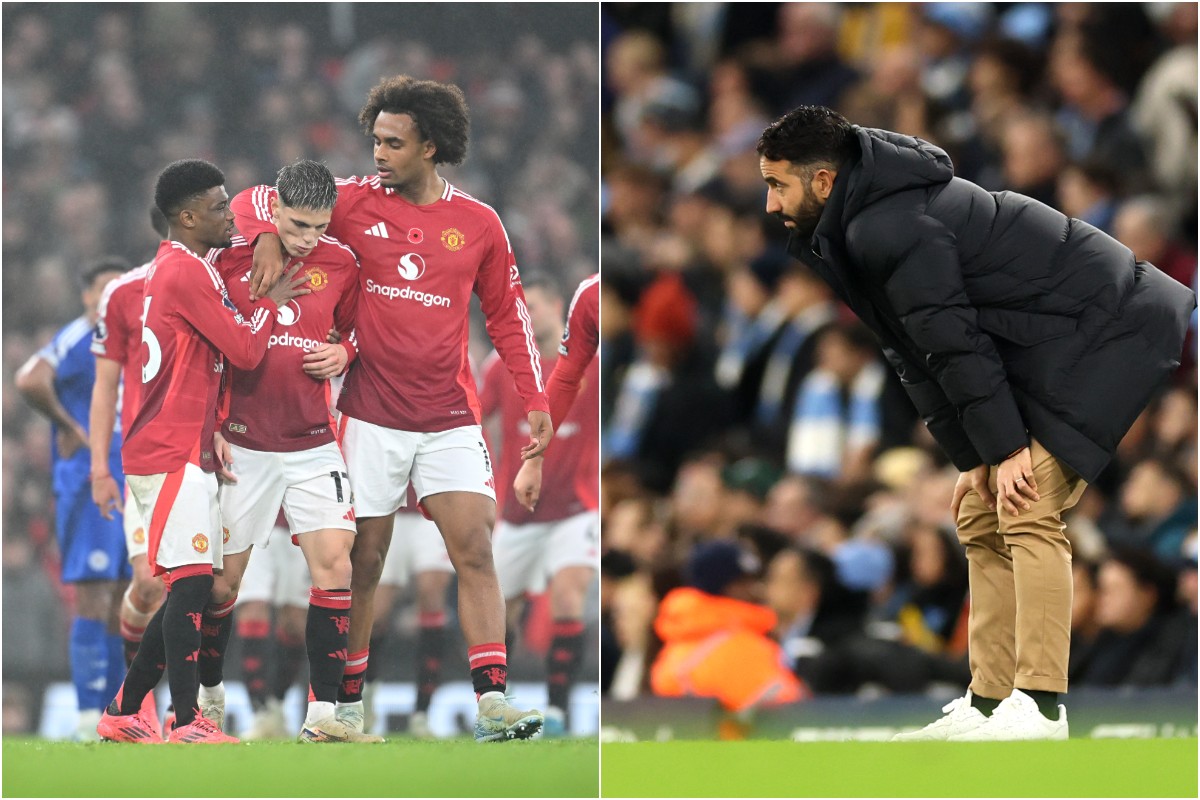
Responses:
[580,340]
[557,540]
[409,407]
[116,343]
[271,454]
[188,324]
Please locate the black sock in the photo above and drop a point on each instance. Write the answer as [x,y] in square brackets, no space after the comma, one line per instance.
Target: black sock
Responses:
[181,635]
[257,652]
[562,661]
[327,634]
[431,644]
[214,640]
[146,669]
[1047,703]
[984,704]
[489,668]
[290,660]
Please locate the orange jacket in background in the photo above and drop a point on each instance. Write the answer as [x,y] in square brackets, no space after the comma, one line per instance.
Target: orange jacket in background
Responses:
[718,647]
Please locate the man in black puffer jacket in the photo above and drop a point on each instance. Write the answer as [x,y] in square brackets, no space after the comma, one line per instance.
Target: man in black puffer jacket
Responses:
[1029,342]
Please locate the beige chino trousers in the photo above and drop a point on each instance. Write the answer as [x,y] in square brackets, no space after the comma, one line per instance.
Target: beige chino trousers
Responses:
[1019,567]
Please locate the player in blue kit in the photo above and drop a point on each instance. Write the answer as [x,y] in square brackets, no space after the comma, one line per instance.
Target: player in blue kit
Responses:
[57,382]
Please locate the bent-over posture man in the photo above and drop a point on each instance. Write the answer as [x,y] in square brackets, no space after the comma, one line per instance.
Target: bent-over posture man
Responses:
[409,406]
[189,323]
[1028,341]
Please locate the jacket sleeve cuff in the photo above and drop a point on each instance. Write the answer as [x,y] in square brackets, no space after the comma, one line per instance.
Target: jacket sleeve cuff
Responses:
[995,427]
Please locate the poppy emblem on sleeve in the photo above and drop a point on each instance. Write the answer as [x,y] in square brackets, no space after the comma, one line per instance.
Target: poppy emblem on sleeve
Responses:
[416,235]
[200,543]
[453,239]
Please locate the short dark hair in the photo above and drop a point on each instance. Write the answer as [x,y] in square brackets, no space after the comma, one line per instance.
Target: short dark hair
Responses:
[182,181]
[98,268]
[439,111]
[159,222]
[809,135]
[306,184]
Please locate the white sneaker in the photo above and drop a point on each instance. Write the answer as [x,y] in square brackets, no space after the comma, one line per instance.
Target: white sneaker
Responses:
[212,704]
[499,720]
[330,730]
[418,725]
[352,715]
[1017,719]
[85,731]
[268,723]
[960,718]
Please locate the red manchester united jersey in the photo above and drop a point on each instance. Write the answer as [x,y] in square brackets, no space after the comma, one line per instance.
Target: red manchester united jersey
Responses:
[419,266]
[580,338]
[189,322]
[118,336]
[276,407]
[570,473]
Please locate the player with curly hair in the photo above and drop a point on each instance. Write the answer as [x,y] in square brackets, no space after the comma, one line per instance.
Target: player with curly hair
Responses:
[409,409]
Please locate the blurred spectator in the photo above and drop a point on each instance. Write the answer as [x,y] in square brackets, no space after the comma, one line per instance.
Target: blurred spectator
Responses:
[929,605]
[1143,225]
[807,68]
[1158,509]
[1095,114]
[806,303]
[1085,626]
[838,417]
[1033,157]
[1164,113]
[1088,191]
[1136,646]
[667,402]
[714,634]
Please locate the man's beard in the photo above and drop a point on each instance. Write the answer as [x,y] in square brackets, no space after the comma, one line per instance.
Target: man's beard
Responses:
[806,217]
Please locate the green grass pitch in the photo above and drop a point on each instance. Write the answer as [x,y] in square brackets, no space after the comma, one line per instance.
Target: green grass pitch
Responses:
[1075,768]
[398,768]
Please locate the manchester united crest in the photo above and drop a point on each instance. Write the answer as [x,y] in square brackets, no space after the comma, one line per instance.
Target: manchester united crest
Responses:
[200,543]
[139,536]
[317,278]
[224,535]
[453,239]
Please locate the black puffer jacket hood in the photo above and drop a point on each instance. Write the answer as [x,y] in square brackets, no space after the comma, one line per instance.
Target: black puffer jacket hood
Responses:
[891,163]
[1004,318]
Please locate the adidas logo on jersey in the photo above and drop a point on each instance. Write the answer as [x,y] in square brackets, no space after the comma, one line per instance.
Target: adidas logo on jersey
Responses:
[378,229]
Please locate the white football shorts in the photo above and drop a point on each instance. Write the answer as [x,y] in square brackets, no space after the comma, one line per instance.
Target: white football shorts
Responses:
[185,525]
[417,546]
[313,487]
[527,555]
[135,531]
[384,460]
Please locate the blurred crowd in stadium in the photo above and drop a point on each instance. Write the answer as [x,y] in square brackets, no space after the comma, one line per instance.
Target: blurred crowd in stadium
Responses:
[756,446]
[98,98]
